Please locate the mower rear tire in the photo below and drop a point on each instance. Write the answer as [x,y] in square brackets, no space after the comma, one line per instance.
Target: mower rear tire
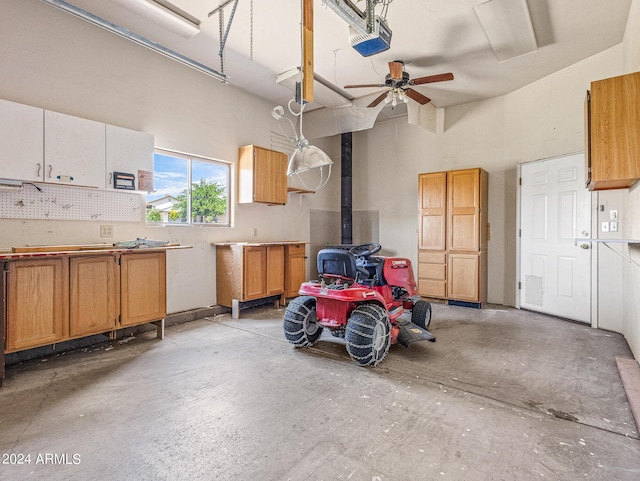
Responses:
[368,334]
[300,325]
[421,314]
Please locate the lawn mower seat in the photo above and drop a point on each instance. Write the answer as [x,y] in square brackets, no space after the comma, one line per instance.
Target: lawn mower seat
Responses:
[340,263]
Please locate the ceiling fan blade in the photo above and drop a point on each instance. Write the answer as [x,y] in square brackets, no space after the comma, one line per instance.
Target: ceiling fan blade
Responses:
[417,96]
[395,70]
[364,86]
[431,78]
[378,99]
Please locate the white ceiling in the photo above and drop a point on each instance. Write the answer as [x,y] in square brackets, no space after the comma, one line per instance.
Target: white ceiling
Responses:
[430,36]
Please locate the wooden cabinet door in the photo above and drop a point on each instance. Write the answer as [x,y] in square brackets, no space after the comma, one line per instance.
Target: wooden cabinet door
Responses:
[262,175]
[615,137]
[295,269]
[254,273]
[463,206]
[463,271]
[432,192]
[270,176]
[38,302]
[142,288]
[94,293]
[275,270]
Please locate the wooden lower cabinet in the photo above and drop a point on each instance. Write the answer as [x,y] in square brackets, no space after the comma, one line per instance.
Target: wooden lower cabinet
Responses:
[464,277]
[94,294]
[245,273]
[53,299]
[143,294]
[37,303]
[295,268]
[275,270]
[250,272]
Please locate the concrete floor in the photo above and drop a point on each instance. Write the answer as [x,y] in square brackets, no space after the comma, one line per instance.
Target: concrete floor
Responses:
[502,395]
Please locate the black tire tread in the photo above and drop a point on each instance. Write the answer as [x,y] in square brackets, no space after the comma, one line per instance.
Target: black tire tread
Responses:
[295,317]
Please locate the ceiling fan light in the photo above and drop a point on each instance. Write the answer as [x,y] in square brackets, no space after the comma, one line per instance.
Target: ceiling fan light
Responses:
[307,157]
[394,102]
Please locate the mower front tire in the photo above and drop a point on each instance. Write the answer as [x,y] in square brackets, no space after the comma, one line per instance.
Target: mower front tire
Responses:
[421,314]
[368,334]
[301,326]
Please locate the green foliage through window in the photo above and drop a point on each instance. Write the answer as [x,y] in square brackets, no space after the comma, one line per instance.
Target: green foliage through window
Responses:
[189,190]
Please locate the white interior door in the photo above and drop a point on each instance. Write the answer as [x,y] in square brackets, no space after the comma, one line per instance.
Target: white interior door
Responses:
[555,209]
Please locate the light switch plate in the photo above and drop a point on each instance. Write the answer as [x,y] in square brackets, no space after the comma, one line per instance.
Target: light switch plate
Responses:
[613,215]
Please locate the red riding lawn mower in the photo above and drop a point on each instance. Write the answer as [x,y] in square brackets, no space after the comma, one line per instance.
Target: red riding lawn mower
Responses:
[360,298]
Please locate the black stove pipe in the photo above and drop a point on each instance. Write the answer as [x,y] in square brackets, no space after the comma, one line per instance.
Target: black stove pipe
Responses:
[346,187]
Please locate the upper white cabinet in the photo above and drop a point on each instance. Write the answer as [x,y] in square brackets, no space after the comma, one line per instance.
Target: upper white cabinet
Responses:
[127,151]
[74,150]
[39,145]
[21,141]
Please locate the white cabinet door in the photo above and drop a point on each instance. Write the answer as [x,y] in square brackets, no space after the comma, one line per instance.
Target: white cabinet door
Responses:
[74,150]
[127,151]
[21,141]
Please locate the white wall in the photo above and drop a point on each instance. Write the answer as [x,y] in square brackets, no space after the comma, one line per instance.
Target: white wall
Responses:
[52,60]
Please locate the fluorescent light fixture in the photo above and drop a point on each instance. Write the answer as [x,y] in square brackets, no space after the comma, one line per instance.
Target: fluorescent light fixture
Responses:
[161,15]
[507,25]
[134,37]
[10,184]
[323,95]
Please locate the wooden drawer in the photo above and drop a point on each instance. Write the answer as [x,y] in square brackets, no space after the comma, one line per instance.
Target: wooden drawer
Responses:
[432,257]
[432,271]
[431,288]
[296,249]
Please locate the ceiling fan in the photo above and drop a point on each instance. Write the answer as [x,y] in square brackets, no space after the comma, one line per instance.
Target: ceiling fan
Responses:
[400,84]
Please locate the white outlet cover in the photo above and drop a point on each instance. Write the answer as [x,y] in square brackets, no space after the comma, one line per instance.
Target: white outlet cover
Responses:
[605,227]
[613,227]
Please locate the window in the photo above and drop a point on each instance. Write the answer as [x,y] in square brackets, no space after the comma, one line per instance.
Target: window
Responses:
[188,190]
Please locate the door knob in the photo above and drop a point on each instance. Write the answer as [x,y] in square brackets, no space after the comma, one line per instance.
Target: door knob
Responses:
[584,245]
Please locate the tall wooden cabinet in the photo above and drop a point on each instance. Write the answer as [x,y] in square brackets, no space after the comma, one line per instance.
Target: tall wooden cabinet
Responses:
[453,235]
[262,175]
[612,117]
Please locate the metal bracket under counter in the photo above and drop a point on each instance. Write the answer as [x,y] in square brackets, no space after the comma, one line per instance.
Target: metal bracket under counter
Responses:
[585,244]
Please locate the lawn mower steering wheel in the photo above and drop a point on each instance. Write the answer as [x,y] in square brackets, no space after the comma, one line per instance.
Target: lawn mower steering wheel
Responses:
[365,250]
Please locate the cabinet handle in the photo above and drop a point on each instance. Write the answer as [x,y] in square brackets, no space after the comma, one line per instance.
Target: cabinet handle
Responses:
[39,167]
[110,177]
[50,169]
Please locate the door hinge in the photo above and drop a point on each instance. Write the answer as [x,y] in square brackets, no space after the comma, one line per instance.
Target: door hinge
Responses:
[119,318]
[519,232]
[519,285]
[519,180]
[5,266]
